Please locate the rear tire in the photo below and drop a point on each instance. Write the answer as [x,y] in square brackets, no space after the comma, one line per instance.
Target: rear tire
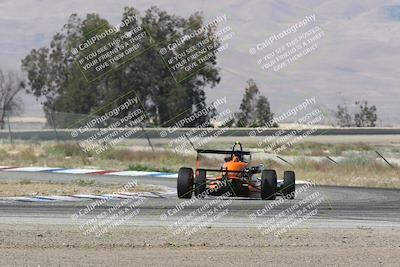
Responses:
[289,184]
[268,184]
[200,183]
[185,182]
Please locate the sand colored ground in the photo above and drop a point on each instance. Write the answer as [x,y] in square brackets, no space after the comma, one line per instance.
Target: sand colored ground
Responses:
[60,245]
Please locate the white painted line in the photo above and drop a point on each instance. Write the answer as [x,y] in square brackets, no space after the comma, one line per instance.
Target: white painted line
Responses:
[30,169]
[133,173]
[64,198]
[31,199]
[88,196]
[141,194]
[167,175]
[297,182]
[148,194]
[77,171]
[117,196]
[89,171]
[15,198]
[302,182]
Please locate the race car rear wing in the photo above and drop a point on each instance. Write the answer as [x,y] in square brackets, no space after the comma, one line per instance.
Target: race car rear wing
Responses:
[226,152]
[214,151]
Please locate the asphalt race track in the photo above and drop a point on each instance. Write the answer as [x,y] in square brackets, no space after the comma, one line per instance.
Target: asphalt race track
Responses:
[339,206]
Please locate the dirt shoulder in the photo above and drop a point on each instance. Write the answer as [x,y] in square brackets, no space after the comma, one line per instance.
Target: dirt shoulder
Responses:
[30,188]
[53,245]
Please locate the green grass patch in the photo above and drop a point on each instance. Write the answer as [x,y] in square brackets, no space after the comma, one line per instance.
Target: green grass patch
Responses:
[144,167]
[28,155]
[66,149]
[25,181]
[83,182]
[318,149]
[3,154]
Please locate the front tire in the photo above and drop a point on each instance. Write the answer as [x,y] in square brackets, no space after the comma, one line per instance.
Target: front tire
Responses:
[289,184]
[200,183]
[185,182]
[268,184]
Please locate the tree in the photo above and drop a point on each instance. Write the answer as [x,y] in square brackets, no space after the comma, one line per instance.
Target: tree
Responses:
[10,85]
[52,72]
[263,111]
[343,116]
[367,116]
[247,109]
[254,109]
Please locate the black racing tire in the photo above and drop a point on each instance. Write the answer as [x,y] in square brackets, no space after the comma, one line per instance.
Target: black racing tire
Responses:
[200,183]
[185,182]
[268,184]
[289,184]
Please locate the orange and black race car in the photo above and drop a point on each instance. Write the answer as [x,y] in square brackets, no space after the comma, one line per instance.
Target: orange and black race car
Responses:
[235,176]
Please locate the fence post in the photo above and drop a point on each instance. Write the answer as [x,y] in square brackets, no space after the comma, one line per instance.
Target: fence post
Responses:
[54,126]
[380,155]
[147,137]
[332,160]
[9,127]
[284,160]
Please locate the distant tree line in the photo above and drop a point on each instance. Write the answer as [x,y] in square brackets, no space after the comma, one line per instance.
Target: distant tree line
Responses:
[254,109]
[11,83]
[365,116]
[53,74]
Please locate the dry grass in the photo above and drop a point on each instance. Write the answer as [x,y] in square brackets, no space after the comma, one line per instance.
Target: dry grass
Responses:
[68,155]
[317,149]
[357,169]
[354,170]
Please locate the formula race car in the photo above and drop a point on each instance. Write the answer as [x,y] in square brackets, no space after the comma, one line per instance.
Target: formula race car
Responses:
[235,176]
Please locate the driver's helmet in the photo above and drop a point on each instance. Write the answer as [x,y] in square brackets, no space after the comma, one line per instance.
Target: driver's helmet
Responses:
[237,157]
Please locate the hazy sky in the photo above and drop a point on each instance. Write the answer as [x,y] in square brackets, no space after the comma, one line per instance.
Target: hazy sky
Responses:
[357,57]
